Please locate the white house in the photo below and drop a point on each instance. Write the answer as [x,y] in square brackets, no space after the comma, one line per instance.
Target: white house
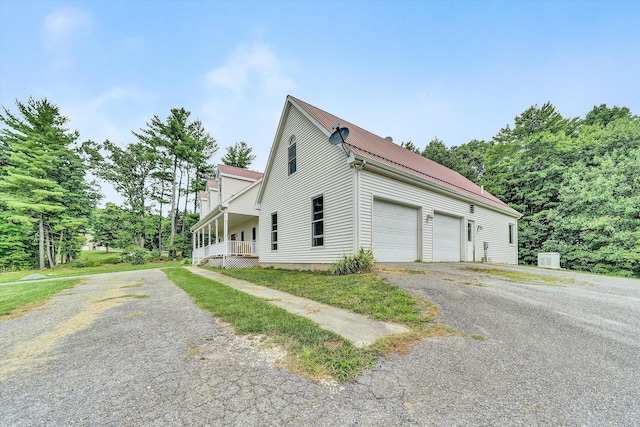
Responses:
[319,201]
[227,233]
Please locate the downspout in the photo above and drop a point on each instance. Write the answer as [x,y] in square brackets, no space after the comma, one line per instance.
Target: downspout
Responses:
[357,167]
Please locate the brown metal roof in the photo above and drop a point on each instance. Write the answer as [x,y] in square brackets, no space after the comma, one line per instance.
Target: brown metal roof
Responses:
[365,144]
[244,173]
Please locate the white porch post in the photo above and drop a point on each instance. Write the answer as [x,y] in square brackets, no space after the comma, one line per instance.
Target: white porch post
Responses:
[226,233]
[193,245]
[209,234]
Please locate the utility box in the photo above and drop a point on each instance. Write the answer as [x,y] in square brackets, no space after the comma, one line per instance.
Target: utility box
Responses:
[549,260]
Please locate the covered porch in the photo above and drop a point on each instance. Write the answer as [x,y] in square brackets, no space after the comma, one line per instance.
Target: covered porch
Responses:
[226,240]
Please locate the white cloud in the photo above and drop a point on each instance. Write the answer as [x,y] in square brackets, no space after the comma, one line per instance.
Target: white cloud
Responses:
[64,25]
[246,94]
[253,67]
[116,93]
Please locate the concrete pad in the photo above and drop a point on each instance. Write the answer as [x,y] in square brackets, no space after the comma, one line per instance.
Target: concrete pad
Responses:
[358,329]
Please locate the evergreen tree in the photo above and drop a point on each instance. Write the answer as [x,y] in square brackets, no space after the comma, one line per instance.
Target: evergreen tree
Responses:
[238,155]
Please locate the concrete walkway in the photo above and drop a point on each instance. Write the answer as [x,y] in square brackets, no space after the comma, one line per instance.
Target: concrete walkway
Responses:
[357,328]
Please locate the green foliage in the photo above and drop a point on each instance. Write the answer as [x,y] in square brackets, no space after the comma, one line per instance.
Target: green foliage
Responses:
[135,255]
[43,189]
[238,155]
[575,182]
[362,262]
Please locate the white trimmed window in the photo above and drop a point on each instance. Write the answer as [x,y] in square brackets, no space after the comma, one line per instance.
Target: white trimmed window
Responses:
[317,221]
[292,155]
[512,237]
[274,231]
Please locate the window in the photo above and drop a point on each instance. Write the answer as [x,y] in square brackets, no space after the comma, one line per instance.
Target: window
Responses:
[469,232]
[253,234]
[292,155]
[317,221]
[511,234]
[274,231]
[242,236]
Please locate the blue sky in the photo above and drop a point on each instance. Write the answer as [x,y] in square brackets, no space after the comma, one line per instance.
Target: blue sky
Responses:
[412,70]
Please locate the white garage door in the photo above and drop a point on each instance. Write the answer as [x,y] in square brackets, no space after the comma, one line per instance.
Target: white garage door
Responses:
[446,238]
[395,232]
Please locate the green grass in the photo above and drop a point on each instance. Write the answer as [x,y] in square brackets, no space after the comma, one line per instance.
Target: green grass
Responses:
[314,351]
[99,256]
[520,277]
[66,270]
[20,298]
[366,294]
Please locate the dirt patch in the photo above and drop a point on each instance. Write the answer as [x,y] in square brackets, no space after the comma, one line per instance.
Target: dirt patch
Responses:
[32,352]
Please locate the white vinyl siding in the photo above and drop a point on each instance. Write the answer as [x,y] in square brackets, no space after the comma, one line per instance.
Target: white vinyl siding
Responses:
[232,186]
[325,172]
[245,203]
[243,228]
[395,232]
[492,223]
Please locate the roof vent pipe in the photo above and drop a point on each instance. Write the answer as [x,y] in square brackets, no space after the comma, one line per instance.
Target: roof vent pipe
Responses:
[482,189]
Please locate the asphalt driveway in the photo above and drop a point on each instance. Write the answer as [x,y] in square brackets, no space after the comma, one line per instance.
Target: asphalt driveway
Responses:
[132,349]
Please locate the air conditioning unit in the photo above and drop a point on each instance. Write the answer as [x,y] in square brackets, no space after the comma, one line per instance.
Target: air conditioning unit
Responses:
[549,260]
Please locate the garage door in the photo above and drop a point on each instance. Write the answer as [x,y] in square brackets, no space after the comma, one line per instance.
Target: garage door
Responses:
[395,232]
[446,238]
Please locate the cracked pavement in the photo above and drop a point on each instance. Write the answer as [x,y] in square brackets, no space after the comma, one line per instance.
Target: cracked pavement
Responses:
[125,360]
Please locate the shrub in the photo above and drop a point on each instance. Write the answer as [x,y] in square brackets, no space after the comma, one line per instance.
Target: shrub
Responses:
[362,262]
[134,254]
[152,256]
[112,260]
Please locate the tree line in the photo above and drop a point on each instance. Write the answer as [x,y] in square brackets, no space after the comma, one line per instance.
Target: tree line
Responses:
[576,181]
[49,191]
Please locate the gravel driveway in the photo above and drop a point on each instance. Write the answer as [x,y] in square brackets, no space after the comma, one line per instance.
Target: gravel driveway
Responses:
[132,349]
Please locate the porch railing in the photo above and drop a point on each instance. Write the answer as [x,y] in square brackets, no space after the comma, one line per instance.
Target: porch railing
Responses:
[234,248]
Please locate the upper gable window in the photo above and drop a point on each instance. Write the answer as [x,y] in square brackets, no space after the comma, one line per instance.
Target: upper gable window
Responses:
[292,154]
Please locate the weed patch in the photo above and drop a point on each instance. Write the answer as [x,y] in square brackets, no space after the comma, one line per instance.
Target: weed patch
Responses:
[133,296]
[520,277]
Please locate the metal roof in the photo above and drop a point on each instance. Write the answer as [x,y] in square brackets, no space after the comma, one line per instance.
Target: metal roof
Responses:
[373,147]
[243,173]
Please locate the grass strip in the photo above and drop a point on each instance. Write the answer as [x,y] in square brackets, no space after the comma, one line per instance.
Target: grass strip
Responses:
[314,352]
[20,298]
[67,271]
[518,276]
[366,294]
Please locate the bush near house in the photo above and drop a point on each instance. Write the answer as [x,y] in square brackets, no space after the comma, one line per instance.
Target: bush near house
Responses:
[362,262]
